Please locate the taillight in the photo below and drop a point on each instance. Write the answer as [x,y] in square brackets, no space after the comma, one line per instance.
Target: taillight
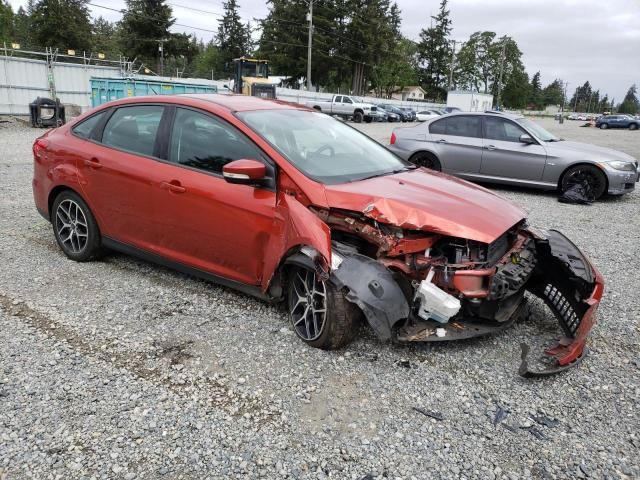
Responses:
[393,139]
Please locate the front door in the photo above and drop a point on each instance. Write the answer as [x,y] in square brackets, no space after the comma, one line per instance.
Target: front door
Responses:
[201,220]
[505,156]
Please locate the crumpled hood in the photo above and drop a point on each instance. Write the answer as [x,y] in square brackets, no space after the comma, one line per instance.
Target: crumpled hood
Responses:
[430,201]
[587,151]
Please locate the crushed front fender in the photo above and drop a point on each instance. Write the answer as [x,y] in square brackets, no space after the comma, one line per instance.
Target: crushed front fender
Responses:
[572,288]
[372,287]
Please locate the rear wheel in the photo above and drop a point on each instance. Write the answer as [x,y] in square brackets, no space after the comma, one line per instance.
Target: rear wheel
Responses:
[75,227]
[585,174]
[357,117]
[319,313]
[427,160]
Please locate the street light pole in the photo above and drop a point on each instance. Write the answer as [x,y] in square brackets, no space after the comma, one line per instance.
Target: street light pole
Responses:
[453,61]
[310,18]
[502,55]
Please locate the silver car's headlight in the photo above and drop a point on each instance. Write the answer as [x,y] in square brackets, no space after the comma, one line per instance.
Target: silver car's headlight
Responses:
[624,166]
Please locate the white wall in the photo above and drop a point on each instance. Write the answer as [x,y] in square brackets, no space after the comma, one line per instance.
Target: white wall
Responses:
[470,101]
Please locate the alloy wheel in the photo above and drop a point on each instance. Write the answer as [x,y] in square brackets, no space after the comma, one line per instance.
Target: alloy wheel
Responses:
[584,175]
[308,305]
[71,226]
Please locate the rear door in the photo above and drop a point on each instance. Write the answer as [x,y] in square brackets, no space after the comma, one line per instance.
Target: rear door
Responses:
[118,173]
[203,221]
[504,155]
[458,143]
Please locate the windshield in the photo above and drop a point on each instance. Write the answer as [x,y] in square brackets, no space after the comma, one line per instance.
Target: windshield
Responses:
[537,130]
[323,148]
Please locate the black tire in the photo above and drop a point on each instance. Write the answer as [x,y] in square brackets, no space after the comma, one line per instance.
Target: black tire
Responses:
[357,117]
[604,126]
[427,160]
[75,227]
[593,175]
[633,126]
[338,324]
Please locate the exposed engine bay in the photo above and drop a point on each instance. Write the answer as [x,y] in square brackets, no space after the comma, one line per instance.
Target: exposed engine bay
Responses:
[422,286]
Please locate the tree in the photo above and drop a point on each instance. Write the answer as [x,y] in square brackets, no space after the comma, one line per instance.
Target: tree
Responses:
[478,62]
[62,24]
[22,26]
[105,38]
[630,104]
[396,71]
[7,32]
[234,38]
[581,98]
[553,94]
[535,96]
[516,90]
[435,53]
[209,63]
[144,30]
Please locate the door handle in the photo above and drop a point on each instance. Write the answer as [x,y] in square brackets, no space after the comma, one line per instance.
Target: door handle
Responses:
[490,147]
[93,163]
[173,186]
[442,140]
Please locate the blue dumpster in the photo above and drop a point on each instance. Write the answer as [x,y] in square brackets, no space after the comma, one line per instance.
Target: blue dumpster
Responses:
[104,90]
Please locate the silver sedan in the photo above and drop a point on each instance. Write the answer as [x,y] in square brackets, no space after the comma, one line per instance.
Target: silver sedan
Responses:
[509,149]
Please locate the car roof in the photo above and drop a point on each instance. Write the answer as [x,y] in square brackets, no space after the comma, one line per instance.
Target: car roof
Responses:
[230,102]
[488,113]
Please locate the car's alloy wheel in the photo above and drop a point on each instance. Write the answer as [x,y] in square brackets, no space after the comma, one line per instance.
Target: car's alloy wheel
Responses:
[308,305]
[319,313]
[585,174]
[633,126]
[427,160]
[75,227]
[71,226]
[604,126]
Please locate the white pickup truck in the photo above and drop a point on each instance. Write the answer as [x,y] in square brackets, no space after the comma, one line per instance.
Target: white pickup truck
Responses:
[346,106]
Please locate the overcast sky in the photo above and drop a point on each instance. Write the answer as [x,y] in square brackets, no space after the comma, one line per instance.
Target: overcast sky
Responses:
[576,40]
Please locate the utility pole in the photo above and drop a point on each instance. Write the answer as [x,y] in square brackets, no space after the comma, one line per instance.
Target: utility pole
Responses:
[161,52]
[502,55]
[575,104]
[564,99]
[310,19]
[453,61]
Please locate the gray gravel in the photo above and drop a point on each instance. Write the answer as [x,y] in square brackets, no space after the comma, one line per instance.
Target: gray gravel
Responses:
[122,369]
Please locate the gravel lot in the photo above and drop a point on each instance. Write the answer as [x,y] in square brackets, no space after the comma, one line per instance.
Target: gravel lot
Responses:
[122,369]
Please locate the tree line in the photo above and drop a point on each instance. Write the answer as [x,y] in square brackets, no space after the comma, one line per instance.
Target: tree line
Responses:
[358,47]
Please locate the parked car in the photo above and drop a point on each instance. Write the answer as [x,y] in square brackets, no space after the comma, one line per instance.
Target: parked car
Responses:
[391,116]
[425,115]
[510,149]
[452,109]
[346,107]
[411,117]
[291,205]
[618,121]
[572,116]
[402,115]
[380,115]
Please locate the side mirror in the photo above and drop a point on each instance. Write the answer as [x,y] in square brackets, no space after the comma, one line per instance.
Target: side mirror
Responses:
[244,172]
[526,139]
[226,86]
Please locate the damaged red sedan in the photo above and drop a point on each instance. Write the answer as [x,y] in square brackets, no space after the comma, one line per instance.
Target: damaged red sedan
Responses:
[292,205]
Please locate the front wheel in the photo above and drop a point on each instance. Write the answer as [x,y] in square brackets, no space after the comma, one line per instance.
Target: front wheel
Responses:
[319,313]
[633,126]
[358,117]
[585,174]
[604,126]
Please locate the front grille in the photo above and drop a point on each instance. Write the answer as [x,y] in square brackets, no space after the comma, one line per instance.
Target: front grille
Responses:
[562,309]
[373,109]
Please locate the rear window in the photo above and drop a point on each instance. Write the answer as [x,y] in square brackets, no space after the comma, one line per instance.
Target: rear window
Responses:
[464,126]
[439,127]
[85,128]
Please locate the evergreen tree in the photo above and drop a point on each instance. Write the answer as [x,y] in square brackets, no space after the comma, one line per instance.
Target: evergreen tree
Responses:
[22,26]
[234,38]
[144,28]
[581,97]
[105,38]
[209,63]
[535,96]
[7,33]
[553,94]
[516,90]
[435,54]
[630,103]
[477,62]
[62,24]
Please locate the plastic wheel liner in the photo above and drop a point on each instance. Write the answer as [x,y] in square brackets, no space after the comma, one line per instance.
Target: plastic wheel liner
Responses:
[562,277]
